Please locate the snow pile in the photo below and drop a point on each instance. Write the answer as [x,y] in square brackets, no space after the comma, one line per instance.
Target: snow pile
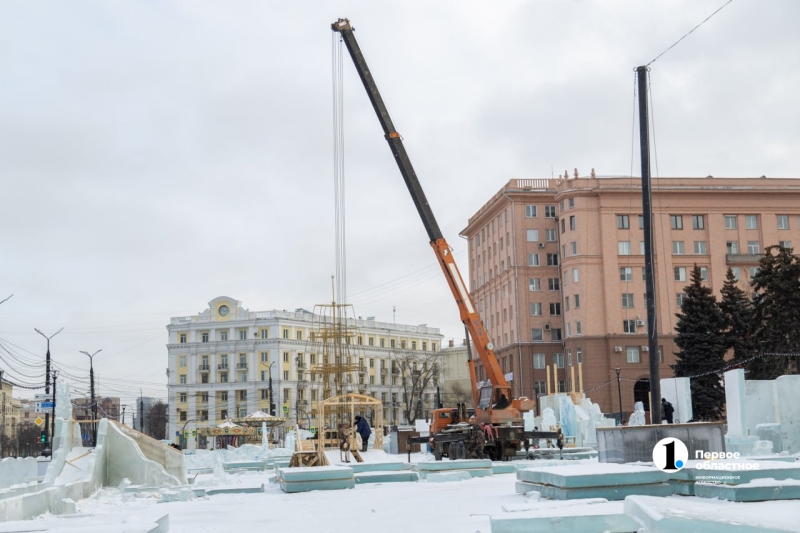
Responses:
[210,458]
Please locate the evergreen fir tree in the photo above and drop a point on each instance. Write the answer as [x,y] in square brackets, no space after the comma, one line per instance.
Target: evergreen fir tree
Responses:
[702,343]
[777,312]
[738,311]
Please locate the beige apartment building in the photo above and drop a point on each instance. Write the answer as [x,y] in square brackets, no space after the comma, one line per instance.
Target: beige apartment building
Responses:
[557,270]
[222,361]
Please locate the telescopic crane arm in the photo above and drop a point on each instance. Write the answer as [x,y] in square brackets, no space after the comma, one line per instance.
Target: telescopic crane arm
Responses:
[466,307]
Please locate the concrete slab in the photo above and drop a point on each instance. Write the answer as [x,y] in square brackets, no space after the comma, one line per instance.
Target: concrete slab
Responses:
[235,490]
[443,477]
[377,467]
[326,484]
[597,518]
[319,473]
[233,466]
[460,464]
[611,493]
[504,468]
[760,490]
[683,515]
[473,472]
[385,477]
[599,475]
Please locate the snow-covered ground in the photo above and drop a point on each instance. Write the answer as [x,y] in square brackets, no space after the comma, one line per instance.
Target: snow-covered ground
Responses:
[390,507]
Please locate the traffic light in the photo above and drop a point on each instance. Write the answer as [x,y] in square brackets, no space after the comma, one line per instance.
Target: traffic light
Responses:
[43,437]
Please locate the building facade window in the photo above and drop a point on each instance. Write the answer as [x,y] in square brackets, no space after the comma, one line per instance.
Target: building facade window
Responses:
[550,235]
[627,300]
[533,259]
[629,326]
[183,338]
[751,221]
[536,309]
[536,334]
[698,222]
[530,211]
[783,221]
[732,247]
[555,309]
[550,211]
[677,247]
[730,222]
[624,247]
[700,247]
[753,247]
[632,354]
[552,259]
[532,235]
[680,273]
[676,221]
[626,274]
[553,284]
[538,361]
[623,222]
[534,284]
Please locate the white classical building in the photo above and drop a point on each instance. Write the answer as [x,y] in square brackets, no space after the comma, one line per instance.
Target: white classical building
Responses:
[221,361]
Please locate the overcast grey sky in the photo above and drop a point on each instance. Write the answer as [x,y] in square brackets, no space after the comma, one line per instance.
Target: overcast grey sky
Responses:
[155,155]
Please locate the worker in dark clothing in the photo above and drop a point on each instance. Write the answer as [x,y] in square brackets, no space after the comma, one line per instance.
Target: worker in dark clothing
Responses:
[362,427]
[502,403]
[666,410]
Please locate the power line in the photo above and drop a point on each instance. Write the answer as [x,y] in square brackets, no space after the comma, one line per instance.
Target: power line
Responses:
[690,31]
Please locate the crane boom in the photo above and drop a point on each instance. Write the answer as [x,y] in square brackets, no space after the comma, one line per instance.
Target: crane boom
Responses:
[466,307]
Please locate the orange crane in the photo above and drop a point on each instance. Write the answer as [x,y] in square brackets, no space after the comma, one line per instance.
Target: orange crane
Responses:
[498,418]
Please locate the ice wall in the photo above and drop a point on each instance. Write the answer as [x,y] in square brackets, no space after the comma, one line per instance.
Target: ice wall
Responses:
[678,392]
[17,471]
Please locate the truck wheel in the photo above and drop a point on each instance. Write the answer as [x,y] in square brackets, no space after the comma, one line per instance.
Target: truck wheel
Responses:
[437,453]
[453,451]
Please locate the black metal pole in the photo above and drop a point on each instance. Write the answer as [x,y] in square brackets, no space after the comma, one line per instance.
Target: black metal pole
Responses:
[649,268]
[53,427]
[619,393]
[141,411]
[271,399]
[94,405]
[47,391]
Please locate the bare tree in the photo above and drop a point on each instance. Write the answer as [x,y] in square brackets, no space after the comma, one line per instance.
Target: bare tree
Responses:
[418,372]
[156,420]
[457,394]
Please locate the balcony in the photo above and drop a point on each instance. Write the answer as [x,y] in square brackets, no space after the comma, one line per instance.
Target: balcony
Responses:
[302,384]
[362,369]
[384,371]
[241,366]
[738,259]
[396,371]
[222,366]
[203,368]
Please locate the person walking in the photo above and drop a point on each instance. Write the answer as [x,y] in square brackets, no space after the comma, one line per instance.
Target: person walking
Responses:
[666,410]
[362,427]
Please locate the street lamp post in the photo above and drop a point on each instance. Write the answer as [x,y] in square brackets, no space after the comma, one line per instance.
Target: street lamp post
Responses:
[123,414]
[47,389]
[619,393]
[94,402]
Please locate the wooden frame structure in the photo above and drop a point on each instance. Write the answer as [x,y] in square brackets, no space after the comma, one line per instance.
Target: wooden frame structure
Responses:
[346,404]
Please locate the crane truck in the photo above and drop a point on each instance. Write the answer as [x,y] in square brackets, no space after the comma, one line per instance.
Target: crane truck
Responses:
[497,429]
